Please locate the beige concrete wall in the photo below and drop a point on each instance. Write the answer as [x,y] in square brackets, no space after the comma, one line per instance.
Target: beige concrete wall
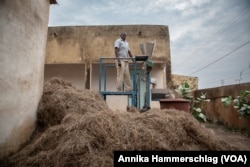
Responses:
[77,44]
[23,34]
[216,111]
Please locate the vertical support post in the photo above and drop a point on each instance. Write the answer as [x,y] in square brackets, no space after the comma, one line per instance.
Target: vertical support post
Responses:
[134,95]
[100,75]
[147,90]
[87,75]
[105,77]
[90,75]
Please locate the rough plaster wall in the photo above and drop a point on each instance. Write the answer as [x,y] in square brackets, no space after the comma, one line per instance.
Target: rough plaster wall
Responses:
[77,43]
[23,32]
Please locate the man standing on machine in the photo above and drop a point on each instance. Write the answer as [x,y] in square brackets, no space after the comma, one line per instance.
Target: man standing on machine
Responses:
[122,51]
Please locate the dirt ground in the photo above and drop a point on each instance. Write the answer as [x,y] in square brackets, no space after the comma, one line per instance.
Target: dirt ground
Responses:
[235,138]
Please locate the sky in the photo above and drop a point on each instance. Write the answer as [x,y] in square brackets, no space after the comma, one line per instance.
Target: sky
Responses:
[209,39]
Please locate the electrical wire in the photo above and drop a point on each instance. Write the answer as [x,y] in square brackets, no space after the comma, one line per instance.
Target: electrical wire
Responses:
[225,78]
[232,40]
[220,58]
[219,32]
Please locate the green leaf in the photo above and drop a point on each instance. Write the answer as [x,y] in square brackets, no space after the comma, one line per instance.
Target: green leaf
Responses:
[245,105]
[186,85]
[203,95]
[242,113]
[243,108]
[236,100]
[198,99]
[223,99]
[198,109]
[236,107]
[227,100]
[202,116]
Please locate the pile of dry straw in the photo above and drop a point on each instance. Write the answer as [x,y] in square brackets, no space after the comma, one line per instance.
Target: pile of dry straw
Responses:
[76,128]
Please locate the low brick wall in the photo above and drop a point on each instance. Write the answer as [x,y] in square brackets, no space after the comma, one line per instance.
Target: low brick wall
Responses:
[216,111]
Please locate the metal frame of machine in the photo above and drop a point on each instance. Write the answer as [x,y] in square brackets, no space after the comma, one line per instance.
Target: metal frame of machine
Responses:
[145,63]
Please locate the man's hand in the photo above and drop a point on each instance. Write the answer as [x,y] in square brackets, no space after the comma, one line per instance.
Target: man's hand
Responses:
[119,63]
[133,59]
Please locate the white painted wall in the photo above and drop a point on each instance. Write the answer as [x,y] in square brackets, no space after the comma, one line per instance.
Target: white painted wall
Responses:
[73,73]
[23,36]
[159,74]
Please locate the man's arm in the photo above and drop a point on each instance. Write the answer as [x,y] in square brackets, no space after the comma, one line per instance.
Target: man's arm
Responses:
[130,54]
[116,52]
[116,55]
